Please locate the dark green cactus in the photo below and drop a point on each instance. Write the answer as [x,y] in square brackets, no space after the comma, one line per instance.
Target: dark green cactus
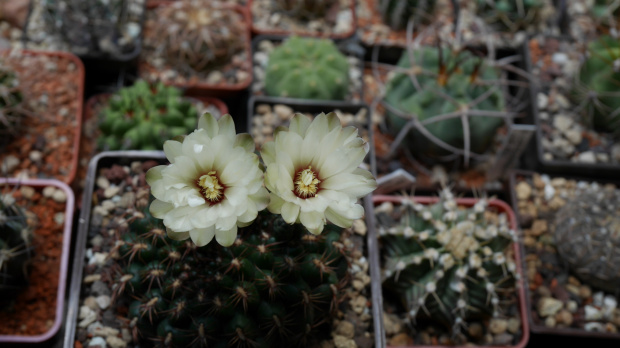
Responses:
[15,237]
[274,287]
[396,13]
[308,68]
[445,262]
[456,83]
[511,15]
[143,116]
[305,9]
[597,90]
[12,112]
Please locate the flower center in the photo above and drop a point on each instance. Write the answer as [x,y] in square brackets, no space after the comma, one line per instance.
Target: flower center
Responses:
[210,187]
[306,183]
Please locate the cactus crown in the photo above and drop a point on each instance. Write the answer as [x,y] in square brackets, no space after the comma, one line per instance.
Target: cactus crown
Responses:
[274,287]
[587,236]
[596,90]
[396,13]
[143,116]
[11,98]
[439,87]
[15,238]
[446,262]
[308,68]
[511,15]
[305,9]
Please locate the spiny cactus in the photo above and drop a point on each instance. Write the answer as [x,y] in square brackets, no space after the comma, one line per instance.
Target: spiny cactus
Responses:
[446,262]
[15,237]
[197,36]
[440,87]
[274,287]
[597,89]
[512,15]
[11,111]
[305,9]
[587,236]
[307,68]
[143,116]
[396,13]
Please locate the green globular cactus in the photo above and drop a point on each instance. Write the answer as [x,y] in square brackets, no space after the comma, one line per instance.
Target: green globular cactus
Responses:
[276,286]
[512,15]
[11,111]
[447,263]
[396,13]
[307,68]
[446,82]
[143,116]
[15,236]
[597,90]
[306,9]
[587,237]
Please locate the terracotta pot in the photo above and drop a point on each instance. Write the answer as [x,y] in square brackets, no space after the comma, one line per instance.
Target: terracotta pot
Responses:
[52,243]
[497,205]
[43,86]
[275,31]
[195,86]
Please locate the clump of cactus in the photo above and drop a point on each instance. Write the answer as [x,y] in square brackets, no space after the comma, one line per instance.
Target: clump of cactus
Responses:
[306,9]
[587,237]
[276,286]
[307,68]
[11,111]
[597,89]
[447,263]
[197,36]
[453,99]
[143,116]
[15,236]
[512,15]
[397,13]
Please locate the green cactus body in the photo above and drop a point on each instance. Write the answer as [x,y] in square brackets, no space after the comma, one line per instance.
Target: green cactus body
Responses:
[601,10]
[598,86]
[445,262]
[15,237]
[274,287]
[511,15]
[396,13]
[307,68]
[587,237]
[144,116]
[464,78]
[306,9]
[11,111]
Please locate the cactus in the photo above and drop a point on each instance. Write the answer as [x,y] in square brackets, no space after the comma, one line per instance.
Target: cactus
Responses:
[11,98]
[274,287]
[15,237]
[447,83]
[601,10]
[144,116]
[307,68]
[396,13]
[446,262]
[587,237]
[197,36]
[512,15]
[597,89]
[305,9]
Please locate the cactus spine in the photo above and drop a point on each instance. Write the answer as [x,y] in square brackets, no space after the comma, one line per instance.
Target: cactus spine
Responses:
[144,116]
[396,13]
[447,263]
[274,287]
[307,68]
[512,15]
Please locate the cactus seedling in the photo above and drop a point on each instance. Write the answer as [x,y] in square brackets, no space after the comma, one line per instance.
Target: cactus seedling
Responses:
[396,13]
[597,90]
[308,68]
[14,251]
[144,116]
[447,263]
[305,9]
[274,287]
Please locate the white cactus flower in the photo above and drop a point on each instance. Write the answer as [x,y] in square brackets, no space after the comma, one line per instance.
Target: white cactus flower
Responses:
[212,185]
[313,175]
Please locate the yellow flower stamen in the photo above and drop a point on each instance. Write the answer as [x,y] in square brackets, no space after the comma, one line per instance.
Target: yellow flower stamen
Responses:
[211,188]
[306,183]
